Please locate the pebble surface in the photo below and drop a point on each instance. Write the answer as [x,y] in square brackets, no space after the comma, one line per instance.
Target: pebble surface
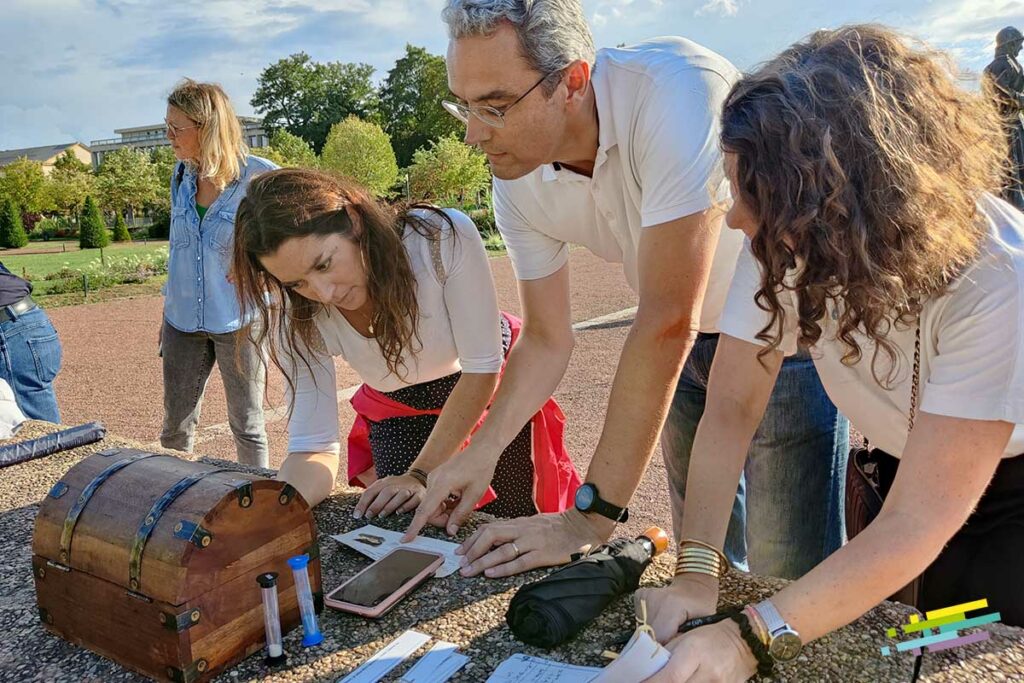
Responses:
[468,612]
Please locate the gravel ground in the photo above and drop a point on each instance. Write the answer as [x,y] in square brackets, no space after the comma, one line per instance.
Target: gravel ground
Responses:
[468,612]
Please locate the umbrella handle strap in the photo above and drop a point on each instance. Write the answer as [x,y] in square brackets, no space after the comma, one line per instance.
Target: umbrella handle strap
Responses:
[641,620]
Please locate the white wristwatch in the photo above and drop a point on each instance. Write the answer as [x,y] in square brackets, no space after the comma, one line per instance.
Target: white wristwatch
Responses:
[784,643]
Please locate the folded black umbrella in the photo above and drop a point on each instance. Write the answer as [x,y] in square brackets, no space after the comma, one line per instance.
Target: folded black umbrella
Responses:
[65,439]
[550,611]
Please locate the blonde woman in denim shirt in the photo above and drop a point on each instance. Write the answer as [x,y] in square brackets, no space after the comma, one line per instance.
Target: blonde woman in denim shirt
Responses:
[202,323]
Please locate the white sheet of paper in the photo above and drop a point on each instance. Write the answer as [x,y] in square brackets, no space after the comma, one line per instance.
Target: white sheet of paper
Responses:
[525,669]
[392,541]
[387,658]
[437,666]
[640,659]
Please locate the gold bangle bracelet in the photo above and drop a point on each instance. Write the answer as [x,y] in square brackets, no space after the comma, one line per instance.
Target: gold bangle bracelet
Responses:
[699,552]
[702,544]
[419,475]
[703,566]
[696,556]
[701,557]
[695,570]
[715,564]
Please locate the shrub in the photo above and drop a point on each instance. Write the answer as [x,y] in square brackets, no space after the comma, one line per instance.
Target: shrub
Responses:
[45,230]
[12,232]
[123,270]
[161,227]
[362,151]
[93,231]
[121,233]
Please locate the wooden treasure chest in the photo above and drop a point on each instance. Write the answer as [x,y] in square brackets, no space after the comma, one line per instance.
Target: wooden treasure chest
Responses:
[152,560]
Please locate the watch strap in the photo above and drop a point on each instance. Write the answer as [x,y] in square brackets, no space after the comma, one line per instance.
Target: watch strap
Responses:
[606,509]
[773,621]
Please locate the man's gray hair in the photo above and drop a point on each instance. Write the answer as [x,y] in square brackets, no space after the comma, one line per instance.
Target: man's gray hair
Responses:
[552,33]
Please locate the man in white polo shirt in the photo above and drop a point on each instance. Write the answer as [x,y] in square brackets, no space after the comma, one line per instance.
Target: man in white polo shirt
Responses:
[619,152]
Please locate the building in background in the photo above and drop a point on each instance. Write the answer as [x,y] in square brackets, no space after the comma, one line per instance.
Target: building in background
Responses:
[47,155]
[146,138]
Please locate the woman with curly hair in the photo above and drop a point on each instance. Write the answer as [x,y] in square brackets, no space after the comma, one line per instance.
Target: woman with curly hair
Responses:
[864,180]
[407,300]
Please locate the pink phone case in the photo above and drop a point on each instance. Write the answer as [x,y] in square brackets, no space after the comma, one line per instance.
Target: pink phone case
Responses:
[387,603]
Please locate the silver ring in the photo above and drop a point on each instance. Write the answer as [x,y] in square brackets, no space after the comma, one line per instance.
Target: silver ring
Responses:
[515,548]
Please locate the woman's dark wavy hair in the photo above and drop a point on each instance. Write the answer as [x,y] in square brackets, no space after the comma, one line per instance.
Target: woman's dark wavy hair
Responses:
[295,202]
[862,162]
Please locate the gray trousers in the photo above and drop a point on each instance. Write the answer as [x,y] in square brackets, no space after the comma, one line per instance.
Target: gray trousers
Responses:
[188,361]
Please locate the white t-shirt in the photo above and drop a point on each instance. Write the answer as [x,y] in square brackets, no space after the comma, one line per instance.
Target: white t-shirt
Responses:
[658,159]
[459,327]
[972,344]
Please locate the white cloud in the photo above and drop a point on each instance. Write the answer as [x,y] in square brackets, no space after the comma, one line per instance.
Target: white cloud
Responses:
[81,68]
[725,8]
[109,64]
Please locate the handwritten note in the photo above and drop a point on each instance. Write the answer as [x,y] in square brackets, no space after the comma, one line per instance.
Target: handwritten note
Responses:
[375,543]
[525,669]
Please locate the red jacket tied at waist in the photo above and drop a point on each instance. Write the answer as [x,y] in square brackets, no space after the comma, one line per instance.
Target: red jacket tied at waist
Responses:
[555,479]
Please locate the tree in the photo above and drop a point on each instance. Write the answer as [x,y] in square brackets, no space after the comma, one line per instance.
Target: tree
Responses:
[448,171]
[362,151]
[121,233]
[68,187]
[93,232]
[293,150]
[12,232]
[69,162]
[127,180]
[24,183]
[306,98]
[270,154]
[164,162]
[410,103]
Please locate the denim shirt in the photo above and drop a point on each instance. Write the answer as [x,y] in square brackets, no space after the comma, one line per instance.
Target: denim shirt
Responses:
[198,296]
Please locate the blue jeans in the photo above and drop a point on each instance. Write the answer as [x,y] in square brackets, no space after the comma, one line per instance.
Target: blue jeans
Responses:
[789,510]
[30,358]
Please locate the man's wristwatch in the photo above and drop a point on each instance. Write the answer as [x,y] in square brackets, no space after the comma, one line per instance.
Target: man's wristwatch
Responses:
[588,500]
[784,643]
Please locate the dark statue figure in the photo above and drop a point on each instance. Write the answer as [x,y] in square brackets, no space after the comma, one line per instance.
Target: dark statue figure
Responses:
[1005,78]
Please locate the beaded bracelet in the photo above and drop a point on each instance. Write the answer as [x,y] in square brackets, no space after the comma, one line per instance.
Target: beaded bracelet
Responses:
[765,662]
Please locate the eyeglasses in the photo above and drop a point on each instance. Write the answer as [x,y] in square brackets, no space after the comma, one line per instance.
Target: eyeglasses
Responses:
[174,130]
[492,116]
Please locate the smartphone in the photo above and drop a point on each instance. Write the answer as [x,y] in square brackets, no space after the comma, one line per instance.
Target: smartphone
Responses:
[379,587]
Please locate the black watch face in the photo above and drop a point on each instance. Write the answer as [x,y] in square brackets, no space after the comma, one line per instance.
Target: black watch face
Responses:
[584,497]
[785,646]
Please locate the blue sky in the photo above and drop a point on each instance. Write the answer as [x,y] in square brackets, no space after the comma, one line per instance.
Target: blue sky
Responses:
[76,70]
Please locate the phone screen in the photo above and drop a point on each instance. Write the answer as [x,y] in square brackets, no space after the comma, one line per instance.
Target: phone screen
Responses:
[384,577]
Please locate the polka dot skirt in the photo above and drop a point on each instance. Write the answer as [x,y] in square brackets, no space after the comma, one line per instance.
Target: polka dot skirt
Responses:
[397,441]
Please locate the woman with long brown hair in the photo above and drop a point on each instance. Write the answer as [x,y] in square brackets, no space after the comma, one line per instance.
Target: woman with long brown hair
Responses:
[407,300]
[864,179]
[202,324]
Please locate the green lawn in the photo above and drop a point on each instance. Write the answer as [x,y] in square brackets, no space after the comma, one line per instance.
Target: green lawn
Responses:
[39,264]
